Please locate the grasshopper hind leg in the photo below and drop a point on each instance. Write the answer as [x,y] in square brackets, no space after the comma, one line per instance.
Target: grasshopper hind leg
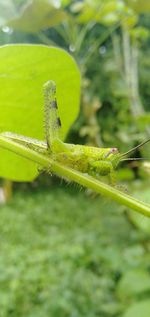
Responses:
[52,120]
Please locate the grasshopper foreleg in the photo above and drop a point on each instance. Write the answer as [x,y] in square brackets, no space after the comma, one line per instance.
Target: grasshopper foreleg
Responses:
[103,168]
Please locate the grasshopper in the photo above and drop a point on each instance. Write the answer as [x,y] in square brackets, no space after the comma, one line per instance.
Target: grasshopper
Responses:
[94,161]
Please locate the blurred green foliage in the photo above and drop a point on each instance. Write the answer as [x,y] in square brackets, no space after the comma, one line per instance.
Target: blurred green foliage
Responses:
[63,254]
[60,257]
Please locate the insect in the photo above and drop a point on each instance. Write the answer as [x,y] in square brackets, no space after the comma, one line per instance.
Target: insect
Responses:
[94,161]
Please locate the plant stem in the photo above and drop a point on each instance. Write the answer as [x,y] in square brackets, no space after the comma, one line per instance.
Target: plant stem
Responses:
[73,175]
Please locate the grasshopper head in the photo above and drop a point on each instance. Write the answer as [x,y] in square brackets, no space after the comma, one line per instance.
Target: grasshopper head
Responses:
[113,156]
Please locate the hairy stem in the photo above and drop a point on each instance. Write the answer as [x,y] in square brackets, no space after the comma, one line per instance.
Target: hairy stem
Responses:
[73,175]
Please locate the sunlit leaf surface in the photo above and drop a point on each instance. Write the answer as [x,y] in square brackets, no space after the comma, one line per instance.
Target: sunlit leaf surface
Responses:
[23,71]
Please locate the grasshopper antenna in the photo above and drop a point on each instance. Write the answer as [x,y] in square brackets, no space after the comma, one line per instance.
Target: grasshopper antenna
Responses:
[135,148]
[134,159]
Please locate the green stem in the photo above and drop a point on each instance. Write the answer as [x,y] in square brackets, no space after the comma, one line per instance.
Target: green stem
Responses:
[73,175]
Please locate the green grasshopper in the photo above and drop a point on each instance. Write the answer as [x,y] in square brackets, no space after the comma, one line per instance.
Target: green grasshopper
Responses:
[94,161]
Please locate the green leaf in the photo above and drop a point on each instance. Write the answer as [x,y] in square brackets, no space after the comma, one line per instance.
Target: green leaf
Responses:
[141,309]
[134,282]
[96,11]
[37,15]
[23,71]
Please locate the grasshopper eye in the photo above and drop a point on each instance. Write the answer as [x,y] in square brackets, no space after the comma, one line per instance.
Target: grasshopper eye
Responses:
[113,150]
